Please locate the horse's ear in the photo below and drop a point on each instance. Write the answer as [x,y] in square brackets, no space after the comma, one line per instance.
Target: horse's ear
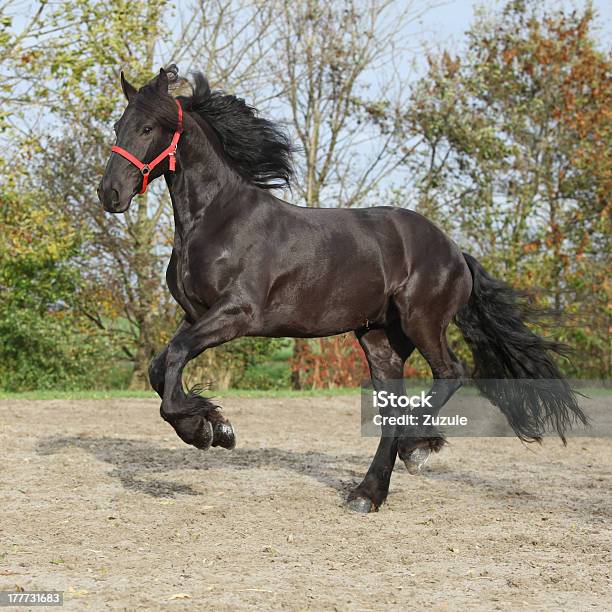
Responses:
[161,82]
[129,91]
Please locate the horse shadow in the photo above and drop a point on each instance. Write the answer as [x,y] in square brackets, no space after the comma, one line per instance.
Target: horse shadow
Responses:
[136,463]
[139,464]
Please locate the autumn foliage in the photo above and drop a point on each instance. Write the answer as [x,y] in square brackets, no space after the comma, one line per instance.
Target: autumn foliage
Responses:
[338,361]
[517,166]
[504,141]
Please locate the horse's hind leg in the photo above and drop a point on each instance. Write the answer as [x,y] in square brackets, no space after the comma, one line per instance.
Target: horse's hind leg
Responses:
[428,333]
[386,351]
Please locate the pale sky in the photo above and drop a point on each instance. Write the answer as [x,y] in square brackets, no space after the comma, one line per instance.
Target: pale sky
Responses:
[454,18]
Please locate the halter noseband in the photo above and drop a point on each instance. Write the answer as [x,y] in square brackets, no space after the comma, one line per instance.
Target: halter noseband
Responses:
[170,151]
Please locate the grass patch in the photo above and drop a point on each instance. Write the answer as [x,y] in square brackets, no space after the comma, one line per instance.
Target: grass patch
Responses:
[76,395]
[118,393]
[246,393]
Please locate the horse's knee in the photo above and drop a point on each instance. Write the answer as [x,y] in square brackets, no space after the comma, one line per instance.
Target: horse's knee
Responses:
[157,373]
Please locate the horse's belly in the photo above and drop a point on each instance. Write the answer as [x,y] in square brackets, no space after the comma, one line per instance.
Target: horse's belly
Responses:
[309,312]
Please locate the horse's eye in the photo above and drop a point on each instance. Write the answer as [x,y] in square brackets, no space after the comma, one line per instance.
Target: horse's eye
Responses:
[147,130]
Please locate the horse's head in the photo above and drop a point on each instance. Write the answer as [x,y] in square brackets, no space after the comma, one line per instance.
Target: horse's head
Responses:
[148,129]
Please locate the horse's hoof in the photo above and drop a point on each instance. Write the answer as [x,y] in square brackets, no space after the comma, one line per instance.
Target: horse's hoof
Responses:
[224,436]
[416,460]
[363,505]
[203,438]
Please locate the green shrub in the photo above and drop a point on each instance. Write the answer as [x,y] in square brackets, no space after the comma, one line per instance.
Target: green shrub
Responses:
[227,365]
[44,342]
[51,352]
[271,375]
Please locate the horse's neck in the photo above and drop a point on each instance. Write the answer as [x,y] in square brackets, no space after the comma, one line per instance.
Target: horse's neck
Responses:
[201,174]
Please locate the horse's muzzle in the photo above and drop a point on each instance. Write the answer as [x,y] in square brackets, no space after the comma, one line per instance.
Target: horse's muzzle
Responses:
[111,200]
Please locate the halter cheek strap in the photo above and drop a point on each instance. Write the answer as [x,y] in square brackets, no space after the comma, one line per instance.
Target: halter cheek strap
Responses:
[170,152]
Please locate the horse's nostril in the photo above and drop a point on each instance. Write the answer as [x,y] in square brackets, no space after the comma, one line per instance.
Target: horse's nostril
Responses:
[108,197]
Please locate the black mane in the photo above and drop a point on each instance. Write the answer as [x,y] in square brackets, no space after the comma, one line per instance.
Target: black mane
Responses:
[258,149]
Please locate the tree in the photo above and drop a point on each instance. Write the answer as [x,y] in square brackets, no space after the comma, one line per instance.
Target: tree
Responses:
[516,161]
[337,66]
[46,343]
[14,45]
[71,71]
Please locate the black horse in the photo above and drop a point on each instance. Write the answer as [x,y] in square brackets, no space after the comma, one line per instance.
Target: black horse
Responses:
[245,263]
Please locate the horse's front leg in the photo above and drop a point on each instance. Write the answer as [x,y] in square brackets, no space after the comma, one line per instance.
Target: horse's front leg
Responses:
[196,419]
[157,367]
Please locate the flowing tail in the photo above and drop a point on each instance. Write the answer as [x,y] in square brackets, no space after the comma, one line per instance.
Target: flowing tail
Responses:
[513,366]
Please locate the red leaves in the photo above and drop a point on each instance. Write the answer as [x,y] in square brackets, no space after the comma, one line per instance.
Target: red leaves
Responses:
[330,362]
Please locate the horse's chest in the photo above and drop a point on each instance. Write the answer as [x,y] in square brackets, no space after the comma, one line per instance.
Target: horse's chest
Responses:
[200,276]
[181,283]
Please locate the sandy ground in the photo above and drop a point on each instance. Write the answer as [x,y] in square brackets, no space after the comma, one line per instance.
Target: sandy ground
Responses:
[100,500]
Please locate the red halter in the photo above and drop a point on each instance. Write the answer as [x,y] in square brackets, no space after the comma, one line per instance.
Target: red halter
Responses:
[170,152]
